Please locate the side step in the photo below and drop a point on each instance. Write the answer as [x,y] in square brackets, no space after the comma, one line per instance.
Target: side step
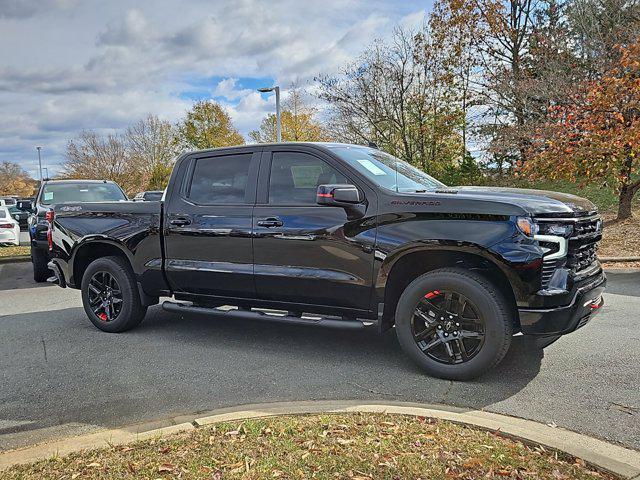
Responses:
[182,308]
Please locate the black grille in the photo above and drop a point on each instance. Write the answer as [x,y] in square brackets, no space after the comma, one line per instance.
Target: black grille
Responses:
[581,249]
[548,267]
[583,244]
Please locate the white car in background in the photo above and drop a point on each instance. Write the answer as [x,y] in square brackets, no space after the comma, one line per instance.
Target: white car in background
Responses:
[9,228]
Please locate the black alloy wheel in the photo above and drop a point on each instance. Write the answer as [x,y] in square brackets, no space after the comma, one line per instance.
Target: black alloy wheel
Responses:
[446,326]
[454,323]
[105,296]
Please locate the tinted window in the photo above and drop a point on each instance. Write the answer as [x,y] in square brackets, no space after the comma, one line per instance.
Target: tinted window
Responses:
[295,178]
[153,196]
[81,192]
[3,213]
[220,180]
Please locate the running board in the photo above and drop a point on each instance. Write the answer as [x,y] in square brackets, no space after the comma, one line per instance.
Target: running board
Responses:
[182,308]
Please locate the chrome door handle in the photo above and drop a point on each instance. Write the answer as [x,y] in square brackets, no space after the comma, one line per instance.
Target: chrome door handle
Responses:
[180,222]
[270,222]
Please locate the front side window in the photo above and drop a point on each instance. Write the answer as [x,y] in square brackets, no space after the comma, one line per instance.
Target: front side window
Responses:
[81,192]
[295,178]
[220,180]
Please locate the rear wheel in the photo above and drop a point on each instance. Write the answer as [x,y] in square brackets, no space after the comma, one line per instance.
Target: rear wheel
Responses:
[454,323]
[110,296]
[39,258]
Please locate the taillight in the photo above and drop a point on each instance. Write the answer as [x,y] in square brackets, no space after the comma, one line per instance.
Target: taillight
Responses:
[6,225]
[50,216]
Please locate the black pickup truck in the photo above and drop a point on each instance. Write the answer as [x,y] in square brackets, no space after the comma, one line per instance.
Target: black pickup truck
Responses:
[341,236]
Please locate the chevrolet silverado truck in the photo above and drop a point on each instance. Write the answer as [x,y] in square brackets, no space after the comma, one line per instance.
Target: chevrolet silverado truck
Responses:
[341,236]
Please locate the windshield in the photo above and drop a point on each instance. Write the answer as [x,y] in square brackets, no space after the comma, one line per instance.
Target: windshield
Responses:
[386,170]
[81,192]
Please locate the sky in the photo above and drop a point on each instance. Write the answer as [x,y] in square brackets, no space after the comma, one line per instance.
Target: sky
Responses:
[69,65]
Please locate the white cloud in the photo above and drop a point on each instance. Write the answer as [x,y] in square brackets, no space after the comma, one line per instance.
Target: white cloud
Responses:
[69,65]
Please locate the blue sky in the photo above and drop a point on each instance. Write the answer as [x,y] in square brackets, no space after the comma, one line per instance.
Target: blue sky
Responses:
[69,65]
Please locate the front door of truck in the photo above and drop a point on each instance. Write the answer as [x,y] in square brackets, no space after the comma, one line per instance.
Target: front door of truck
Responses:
[307,253]
[208,244]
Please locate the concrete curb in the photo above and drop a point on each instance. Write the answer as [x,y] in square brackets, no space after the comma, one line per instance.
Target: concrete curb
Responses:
[613,458]
[20,259]
[619,259]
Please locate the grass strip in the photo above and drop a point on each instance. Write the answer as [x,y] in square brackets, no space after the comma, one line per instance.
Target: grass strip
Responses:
[359,446]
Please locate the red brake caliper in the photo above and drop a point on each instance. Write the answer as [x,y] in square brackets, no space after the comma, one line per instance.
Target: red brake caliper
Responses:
[435,293]
[103,316]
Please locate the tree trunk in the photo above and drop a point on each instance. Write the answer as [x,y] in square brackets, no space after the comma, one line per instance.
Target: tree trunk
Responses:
[624,202]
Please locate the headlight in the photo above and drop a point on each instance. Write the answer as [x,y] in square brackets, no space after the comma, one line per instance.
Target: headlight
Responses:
[527,226]
[557,229]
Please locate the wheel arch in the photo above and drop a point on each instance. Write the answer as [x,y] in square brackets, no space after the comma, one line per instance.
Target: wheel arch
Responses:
[91,249]
[400,269]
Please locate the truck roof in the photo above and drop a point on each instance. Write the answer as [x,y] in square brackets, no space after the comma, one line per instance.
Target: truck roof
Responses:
[276,144]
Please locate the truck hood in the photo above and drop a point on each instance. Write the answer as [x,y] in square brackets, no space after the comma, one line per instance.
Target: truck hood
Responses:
[535,202]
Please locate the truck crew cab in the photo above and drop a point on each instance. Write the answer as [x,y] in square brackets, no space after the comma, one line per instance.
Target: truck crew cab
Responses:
[341,236]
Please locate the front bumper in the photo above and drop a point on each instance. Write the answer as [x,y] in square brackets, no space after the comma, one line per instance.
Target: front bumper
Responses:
[587,301]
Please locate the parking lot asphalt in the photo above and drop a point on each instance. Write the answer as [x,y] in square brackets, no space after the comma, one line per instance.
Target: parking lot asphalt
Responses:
[61,376]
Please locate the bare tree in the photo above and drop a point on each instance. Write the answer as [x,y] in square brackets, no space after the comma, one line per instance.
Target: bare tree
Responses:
[152,147]
[92,156]
[400,96]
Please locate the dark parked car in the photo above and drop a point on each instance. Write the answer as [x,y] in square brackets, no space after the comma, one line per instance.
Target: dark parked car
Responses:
[60,192]
[149,196]
[340,235]
[21,216]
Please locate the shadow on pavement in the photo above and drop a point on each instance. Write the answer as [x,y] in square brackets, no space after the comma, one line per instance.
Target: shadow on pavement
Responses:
[624,283]
[62,370]
[14,276]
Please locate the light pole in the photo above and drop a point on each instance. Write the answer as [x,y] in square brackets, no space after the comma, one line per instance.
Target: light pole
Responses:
[278,122]
[39,163]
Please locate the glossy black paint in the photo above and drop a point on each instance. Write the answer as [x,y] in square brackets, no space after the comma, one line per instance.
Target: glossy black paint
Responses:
[208,248]
[320,258]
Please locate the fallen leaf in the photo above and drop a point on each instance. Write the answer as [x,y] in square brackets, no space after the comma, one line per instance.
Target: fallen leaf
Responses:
[94,465]
[165,467]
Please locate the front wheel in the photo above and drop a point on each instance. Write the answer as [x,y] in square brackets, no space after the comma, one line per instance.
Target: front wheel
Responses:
[110,295]
[454,323]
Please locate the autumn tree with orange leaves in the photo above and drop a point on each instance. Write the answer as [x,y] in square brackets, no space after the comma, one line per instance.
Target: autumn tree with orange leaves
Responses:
[596,136]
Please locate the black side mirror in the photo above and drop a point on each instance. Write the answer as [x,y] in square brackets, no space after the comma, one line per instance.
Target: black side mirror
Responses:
[338,195]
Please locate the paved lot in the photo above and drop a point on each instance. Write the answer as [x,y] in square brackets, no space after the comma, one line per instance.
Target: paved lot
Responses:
[59,375]
[24,237]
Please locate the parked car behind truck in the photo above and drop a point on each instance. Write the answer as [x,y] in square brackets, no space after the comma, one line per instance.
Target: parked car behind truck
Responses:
[340,235]
[60,192]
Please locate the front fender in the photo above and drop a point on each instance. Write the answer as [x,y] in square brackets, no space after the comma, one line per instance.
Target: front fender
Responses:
[491,239]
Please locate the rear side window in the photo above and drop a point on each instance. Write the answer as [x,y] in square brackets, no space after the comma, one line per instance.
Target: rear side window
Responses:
[220,180]
[295,178]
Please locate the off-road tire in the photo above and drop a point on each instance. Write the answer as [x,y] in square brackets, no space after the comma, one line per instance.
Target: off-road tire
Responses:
[496,313]
[132,312]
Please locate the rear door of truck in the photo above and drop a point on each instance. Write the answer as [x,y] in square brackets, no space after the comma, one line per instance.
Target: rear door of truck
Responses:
[208,224]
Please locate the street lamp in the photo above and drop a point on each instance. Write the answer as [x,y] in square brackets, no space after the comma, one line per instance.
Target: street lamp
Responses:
[278,123]
[39,163]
